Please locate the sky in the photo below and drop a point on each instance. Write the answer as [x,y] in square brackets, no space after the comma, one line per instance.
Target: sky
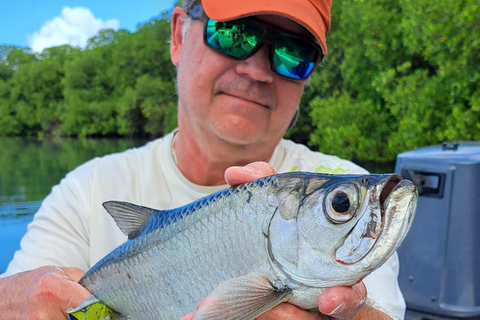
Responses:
[43,24]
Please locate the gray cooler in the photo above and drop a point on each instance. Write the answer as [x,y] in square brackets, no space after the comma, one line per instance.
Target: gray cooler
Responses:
[440,257]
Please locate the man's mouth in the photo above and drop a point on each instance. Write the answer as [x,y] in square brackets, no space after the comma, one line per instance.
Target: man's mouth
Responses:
[250,100]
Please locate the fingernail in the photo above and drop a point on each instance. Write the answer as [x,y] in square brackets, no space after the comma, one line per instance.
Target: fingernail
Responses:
[338,309]
[250,170]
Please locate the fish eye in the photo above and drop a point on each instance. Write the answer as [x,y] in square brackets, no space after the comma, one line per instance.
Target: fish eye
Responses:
[341,204]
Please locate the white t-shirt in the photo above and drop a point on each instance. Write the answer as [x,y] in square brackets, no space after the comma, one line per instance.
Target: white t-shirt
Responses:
[72,229]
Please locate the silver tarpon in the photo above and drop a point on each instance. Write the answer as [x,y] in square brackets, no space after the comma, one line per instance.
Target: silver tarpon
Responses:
[286,237]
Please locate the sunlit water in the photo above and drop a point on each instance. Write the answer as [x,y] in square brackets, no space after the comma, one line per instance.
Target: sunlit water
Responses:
[29,168]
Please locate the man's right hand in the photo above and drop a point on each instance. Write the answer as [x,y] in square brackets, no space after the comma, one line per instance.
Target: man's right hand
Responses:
[41,294]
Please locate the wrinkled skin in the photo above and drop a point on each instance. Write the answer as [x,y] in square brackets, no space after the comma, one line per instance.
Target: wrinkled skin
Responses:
[41,294]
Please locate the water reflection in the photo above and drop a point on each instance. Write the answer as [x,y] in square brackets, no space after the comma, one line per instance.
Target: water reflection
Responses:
[29,168]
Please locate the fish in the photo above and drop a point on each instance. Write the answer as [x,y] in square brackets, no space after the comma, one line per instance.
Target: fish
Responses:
[282,238]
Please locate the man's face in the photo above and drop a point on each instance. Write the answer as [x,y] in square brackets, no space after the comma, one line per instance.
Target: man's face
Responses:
[240,102]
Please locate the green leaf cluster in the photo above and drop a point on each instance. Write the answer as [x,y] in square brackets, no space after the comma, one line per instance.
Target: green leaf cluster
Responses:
[399,74]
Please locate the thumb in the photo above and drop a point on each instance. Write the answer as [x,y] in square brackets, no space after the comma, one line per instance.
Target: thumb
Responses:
[72,294]
[73,273]
[255,170]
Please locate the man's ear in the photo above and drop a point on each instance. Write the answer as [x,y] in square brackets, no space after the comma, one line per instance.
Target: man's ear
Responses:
[178,16]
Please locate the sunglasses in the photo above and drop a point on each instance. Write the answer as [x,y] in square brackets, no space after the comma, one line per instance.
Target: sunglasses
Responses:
[290,56]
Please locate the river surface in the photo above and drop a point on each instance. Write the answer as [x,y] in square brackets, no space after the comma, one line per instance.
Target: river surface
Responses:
[29,168]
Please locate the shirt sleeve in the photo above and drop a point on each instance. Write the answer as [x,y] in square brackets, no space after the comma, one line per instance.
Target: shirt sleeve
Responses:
[383,292]
[58,234]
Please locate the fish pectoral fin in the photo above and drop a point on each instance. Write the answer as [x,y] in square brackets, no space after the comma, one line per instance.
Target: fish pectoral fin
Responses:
[129,217]
[242,298]
[93,309]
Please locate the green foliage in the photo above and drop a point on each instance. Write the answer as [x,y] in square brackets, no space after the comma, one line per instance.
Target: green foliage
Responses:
[399,74]
[150,103]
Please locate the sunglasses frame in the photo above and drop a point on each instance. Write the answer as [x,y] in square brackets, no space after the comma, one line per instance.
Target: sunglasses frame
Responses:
[269,36]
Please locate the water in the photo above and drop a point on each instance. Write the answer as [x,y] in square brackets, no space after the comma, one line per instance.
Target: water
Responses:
[29,168]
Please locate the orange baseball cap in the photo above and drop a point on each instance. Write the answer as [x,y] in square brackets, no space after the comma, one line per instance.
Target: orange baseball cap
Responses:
[312,14]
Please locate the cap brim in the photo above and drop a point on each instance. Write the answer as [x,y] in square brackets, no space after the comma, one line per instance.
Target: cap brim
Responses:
[300,11]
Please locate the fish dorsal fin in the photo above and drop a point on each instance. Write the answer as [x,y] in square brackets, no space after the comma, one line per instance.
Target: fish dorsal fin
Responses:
[242,298]
[129,217]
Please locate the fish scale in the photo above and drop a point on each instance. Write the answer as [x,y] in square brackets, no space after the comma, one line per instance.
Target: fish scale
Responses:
[248,248]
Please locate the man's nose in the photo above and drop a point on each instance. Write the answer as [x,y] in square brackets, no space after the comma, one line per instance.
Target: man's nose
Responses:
[258,65]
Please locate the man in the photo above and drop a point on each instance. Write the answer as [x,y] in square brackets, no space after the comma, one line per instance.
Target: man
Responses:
[236,99]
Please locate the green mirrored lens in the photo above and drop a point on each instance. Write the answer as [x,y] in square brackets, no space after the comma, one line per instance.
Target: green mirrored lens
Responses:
[294,58]
[234,38]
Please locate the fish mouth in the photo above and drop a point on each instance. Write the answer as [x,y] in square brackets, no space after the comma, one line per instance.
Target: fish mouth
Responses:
[398,210]
[387,190]
[388,213]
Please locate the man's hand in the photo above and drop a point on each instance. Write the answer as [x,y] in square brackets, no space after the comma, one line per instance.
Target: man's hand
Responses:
[44,293]
[339,302]
[342,302]
[248,173]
